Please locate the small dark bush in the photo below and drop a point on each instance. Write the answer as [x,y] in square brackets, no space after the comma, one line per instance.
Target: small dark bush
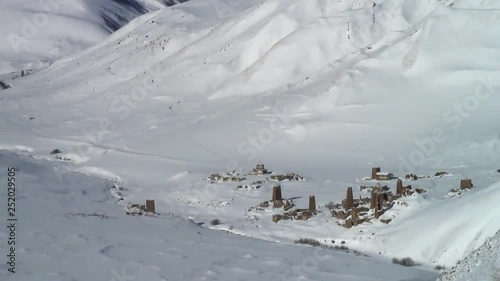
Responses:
[404,262]
[316,243]
[86,215]
[4,85]
[308,241]
[330,205]
[215,222]
[408,262]
[62,158]
[55,151]
[439,267]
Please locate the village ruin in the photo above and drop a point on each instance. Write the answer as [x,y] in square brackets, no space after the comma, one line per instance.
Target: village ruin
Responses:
[349,212]
[147,209]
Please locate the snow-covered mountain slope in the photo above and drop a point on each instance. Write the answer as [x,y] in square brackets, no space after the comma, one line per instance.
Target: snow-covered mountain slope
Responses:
[69,227]
[323,88]
[482,264]
[35,34]
[455,227]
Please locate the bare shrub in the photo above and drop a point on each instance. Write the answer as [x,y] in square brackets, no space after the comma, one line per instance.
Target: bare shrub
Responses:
[440,267]
[62,158]
[85,215]
[308,241]
[342,248]
[404,261]
[330,205]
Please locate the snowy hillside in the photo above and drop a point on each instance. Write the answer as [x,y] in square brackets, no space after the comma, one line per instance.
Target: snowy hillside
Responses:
[35,34]
[482,264]
[325,89]
[70,229]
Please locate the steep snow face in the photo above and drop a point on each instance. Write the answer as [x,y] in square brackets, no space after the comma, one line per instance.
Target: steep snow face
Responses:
[326,89]
[456,227]
[35,33]
[482,264]
[69,227]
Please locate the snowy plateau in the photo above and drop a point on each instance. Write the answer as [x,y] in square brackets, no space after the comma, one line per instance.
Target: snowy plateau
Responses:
[106,105]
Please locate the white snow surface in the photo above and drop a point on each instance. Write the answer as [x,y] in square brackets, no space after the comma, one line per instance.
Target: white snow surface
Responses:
[36,33]
[55,241]
[326,89]
[482,264]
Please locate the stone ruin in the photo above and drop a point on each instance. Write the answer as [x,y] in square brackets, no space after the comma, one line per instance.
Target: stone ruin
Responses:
[405,190]
[259,169]
[213,178]
[375,170]
[377,174]
[253,185]
[354,211]
[135,209]
[298,214]
[289,176]
[440,174]
[416,177]
[141,209]
[465,184]
[411,177]
[277,201]
[384,176]
[277,197]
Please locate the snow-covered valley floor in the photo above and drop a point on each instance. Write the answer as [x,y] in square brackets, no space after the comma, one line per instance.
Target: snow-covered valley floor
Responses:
[69,227]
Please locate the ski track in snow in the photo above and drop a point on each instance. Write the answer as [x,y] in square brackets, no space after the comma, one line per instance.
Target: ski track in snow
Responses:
[105,148]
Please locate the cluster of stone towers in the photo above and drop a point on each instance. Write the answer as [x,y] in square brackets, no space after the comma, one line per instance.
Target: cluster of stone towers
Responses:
[355,211]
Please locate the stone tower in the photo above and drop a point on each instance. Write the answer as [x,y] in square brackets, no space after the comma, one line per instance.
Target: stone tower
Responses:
[349,199]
